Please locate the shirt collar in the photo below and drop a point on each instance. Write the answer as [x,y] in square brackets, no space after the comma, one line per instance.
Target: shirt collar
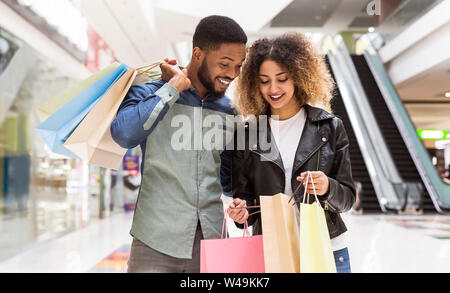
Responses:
[208,96]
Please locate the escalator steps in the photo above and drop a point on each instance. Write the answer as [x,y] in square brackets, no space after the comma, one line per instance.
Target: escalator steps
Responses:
[394,141]
[388,128]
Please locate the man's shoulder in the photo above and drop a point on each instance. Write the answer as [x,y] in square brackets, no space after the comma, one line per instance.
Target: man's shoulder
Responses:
[150,87]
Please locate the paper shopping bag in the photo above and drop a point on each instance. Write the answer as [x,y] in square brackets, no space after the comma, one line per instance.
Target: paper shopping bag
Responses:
[316,254]
[92,140]
[47,109]
[147,73]
[232,255]
[59,126]
[280,234]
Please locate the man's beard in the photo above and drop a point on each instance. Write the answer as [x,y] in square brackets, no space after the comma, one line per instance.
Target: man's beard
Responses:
[207,82]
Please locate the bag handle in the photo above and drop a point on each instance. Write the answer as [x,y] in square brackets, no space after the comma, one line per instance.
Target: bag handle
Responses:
[149,71]
[249,207]
[294,193]
[309,174]
[150,66]
[225,225]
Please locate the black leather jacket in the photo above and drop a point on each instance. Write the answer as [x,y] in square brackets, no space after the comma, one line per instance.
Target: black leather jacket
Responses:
[324,146]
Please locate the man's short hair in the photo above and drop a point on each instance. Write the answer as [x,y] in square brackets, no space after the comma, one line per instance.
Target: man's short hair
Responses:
[215,30]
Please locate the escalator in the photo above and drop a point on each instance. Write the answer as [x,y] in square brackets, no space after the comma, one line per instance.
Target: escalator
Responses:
[388,158]
[369,202]
[397,147]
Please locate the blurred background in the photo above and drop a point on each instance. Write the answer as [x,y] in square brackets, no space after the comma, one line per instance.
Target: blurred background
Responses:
[390,60]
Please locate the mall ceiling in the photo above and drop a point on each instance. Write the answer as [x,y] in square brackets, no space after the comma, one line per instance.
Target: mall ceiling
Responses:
[141,31]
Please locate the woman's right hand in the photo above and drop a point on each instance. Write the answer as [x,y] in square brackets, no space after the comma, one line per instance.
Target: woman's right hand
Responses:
[237,211]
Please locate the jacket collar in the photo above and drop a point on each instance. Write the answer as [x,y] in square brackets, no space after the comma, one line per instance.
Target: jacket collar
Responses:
[313,138]
[316,114]
[311,141]
[269,150]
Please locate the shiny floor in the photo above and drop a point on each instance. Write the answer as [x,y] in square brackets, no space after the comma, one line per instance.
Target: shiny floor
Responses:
[377,244]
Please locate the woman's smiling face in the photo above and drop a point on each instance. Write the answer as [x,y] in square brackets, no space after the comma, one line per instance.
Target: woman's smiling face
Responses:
[276,86]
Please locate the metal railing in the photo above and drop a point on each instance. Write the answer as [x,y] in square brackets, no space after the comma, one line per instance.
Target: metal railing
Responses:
[437,189]
[383,173]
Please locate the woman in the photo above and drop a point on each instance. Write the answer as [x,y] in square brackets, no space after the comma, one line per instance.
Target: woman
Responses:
[285,78]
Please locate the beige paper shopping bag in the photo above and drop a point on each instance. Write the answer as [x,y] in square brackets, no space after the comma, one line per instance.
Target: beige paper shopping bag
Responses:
[92,140]
[316,254]
[280,234]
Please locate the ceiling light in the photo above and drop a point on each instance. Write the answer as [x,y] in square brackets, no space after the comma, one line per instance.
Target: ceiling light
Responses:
[447,94]
[25,2]
[371,29]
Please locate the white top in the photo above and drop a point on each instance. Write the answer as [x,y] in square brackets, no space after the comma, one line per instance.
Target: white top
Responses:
[287,135]
[339,242]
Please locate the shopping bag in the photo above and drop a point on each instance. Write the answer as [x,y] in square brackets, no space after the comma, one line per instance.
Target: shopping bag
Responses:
[47,109]
[57,128]
[316,254]
[232,255]
[147,73]
[280,234]
[91,140]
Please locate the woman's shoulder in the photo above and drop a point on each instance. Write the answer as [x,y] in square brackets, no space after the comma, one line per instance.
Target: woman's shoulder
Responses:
[322,116]
[317,113]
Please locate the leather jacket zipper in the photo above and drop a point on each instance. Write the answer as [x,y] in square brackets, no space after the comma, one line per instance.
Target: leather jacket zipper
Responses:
[281,168]
[327,205]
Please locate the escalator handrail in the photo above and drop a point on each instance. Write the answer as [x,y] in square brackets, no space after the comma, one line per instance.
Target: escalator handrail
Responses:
[362,102]
[384,189]
[433,183]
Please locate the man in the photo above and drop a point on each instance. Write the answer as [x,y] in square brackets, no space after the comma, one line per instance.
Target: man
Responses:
[179,201]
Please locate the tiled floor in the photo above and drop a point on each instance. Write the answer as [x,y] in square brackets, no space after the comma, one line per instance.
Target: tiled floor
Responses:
[398,244]
[437,227]
[377,243]
[76,252]
[116,262]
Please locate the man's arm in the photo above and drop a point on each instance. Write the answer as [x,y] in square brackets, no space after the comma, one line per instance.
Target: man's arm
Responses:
[144,106]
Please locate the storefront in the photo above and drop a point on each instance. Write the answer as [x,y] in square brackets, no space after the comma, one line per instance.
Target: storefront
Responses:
[43,195]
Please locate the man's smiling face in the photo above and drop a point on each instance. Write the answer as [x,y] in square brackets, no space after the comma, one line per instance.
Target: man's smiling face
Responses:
[220,67]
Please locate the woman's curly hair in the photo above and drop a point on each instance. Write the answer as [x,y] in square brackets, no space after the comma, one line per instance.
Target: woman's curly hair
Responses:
[305,64]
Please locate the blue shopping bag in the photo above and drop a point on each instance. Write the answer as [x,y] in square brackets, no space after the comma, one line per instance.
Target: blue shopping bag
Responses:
[57,128]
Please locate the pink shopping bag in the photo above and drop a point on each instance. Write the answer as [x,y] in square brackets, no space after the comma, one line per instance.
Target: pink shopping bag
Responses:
[232,255]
